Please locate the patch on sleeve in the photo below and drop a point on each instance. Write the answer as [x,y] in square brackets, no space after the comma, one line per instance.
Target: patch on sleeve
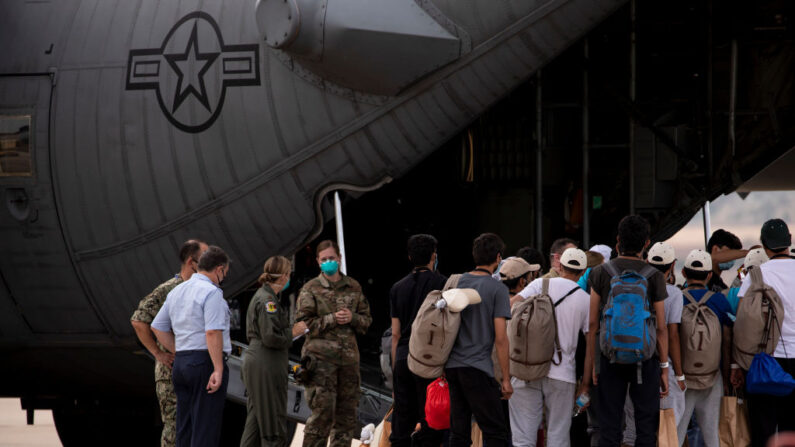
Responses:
[270,307]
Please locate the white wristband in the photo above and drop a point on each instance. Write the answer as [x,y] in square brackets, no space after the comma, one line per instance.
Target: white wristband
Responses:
[680,378]
[735,366]
[664,364]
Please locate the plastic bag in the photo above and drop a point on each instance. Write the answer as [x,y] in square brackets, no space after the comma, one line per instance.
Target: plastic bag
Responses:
[767,377]
[437,405]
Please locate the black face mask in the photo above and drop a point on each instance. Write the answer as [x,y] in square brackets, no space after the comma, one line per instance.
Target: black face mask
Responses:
[221,280]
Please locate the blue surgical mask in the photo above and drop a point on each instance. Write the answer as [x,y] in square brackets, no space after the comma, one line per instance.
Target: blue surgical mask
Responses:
[726,265]
[436,263]
[287,284]
[330,267]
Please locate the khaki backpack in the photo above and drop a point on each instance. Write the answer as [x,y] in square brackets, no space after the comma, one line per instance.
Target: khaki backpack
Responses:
[433,334]
[758,325]
[533,335]
[700,336]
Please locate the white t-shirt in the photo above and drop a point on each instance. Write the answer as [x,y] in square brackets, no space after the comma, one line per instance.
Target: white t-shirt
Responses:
[572,317]
[780,275]
[673,307]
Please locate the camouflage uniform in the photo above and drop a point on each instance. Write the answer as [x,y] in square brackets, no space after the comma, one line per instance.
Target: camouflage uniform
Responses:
[264,371]
[147,309]
[334,388]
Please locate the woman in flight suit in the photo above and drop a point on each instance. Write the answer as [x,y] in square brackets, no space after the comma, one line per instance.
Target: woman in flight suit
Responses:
[265,361]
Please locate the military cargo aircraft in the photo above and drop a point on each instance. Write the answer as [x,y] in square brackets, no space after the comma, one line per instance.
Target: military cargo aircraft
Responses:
[127,127]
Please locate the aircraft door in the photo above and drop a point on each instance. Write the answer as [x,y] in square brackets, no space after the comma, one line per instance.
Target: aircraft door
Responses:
[40,292]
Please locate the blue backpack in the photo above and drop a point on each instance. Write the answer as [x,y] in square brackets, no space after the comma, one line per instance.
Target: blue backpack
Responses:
[628,328]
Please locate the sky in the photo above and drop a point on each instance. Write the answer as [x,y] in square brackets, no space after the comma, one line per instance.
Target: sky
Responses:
[743,217]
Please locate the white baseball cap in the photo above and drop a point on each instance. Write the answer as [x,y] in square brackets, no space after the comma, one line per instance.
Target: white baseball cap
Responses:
[574,258]
[699,260]
[661,254]
[755,258]
[603,250]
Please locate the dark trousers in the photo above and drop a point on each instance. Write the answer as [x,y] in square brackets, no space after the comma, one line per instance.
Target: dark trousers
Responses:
[766,412]
[409,409]
[613,381]
[473,392]
[199,413]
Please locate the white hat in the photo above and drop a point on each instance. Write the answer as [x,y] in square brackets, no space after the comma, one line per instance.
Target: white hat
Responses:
[458,299]
[603,250]
[574,258]
[699,260]
[661,254]
[755,258]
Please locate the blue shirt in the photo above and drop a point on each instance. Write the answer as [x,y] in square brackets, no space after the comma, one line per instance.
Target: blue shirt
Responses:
[717,303]
[192,308]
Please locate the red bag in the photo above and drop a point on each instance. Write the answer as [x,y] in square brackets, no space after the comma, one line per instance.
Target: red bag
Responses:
[437,405]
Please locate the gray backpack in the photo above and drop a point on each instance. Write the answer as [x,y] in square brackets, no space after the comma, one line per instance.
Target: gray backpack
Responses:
[533,335]
[758,325]
[433,334]
[700,337]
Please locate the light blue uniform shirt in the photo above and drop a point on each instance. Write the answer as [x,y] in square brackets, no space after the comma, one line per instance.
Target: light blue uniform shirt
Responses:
[193,307]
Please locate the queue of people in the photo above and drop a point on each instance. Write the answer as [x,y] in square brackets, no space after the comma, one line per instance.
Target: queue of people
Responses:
[684,358]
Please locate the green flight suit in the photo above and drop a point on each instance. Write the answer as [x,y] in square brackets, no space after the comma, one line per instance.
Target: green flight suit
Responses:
[164,388]
[264,371]
[334,388]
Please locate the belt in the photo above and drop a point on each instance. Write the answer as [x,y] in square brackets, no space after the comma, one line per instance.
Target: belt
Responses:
[199,351]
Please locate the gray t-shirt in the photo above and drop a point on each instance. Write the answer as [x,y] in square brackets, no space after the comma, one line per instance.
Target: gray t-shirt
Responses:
[476,336]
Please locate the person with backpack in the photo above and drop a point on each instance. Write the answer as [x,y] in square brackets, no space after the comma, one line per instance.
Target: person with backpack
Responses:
[628,314]
[469,369]
[516,273]
[705,336]
[405,299]
[663,257]
[769,413]
[554,392]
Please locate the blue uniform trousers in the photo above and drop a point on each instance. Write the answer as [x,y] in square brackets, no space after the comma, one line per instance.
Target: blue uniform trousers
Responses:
[199,413]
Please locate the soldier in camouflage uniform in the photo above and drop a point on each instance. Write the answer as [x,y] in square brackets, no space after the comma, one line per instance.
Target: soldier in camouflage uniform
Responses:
[142,319]
[334,309]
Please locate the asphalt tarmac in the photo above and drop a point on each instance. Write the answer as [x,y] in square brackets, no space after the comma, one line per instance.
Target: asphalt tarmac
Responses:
[14,431]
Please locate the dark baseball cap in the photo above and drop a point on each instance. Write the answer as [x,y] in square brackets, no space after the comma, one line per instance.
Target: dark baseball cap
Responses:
[775,234]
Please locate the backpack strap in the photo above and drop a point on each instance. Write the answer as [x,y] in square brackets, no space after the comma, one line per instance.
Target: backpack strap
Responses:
[647,272]
[691,298]
[611,268]
[545,286]
[703,300]
[567,295]
[452,282]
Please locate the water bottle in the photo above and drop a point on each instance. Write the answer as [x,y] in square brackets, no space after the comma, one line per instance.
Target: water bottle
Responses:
[580,403]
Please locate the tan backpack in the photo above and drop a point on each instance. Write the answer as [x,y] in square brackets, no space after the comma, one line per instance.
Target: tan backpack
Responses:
[758,325]
[533,335]
[700,336]
[433,334]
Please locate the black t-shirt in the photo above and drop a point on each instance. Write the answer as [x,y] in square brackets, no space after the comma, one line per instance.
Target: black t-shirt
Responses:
[405,299]
[600,280]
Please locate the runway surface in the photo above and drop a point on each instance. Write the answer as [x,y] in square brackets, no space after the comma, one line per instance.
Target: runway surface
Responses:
[14,432]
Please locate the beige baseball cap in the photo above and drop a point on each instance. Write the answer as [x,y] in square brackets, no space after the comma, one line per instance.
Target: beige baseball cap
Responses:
[755,258]
[699,260]
[516,267]
[662,254]
[574,258]
[458,299]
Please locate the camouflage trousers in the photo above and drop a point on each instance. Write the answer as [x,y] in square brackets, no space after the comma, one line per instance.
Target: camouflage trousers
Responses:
[168,412]
[333,397]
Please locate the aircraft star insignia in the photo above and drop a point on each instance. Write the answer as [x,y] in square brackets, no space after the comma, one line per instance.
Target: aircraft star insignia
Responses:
[183,63]
[192,70]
